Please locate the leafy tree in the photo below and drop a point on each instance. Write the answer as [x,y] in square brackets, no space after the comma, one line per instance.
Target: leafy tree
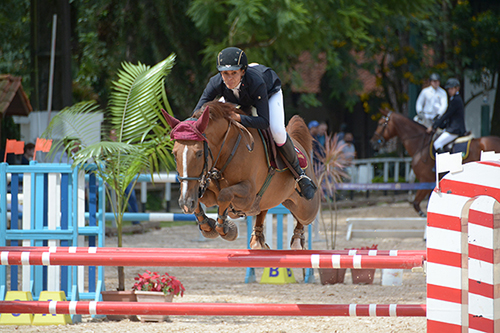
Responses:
[15,39]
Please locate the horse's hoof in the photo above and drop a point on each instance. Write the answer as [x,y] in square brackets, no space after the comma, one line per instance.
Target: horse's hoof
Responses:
[258,243]
[212,233]
[229,232]
[422,214]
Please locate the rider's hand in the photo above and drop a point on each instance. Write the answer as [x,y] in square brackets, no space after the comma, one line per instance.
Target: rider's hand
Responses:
[430,129]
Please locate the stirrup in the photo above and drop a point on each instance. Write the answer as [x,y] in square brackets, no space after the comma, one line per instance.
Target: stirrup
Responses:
[307,188]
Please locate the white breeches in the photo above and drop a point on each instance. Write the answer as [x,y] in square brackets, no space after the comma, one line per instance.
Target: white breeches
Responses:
[444,139]
[277,118]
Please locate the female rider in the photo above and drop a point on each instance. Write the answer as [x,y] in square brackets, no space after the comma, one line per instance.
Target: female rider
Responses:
[260,87]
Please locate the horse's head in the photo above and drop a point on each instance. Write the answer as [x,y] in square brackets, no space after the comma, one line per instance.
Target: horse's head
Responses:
[191,155]
[384,130]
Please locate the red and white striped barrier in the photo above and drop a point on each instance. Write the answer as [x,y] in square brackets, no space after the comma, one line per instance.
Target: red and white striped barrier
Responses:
[200,258]
[461,243]
[222,252]
[213,309]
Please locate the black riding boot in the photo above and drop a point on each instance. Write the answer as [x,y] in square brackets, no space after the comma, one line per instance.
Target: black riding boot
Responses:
[307,187]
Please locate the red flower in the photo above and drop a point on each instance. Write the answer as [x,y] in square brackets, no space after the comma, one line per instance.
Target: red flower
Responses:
[154,282]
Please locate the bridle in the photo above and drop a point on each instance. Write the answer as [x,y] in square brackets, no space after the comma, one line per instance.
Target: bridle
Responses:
[212,173]
[381,140]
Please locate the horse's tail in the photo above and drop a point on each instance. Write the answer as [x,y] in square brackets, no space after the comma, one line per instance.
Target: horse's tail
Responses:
[299,132]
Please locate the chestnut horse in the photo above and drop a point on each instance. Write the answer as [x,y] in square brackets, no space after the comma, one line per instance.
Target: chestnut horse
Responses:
[417,141]
[216,168]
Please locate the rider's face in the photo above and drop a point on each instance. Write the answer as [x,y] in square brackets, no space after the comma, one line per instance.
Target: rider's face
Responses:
[435,83]
[232,78]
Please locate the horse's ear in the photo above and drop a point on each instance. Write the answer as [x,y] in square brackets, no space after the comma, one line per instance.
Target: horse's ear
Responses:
[170,120]
[202,123]
[384,111]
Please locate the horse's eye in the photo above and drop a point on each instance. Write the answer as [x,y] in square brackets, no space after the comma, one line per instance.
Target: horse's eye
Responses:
[199,154]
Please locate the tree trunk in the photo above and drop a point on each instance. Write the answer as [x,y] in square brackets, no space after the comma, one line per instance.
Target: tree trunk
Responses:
[121,271]
[495,120]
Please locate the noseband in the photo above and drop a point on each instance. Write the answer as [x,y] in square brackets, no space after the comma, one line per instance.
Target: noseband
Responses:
[381,140]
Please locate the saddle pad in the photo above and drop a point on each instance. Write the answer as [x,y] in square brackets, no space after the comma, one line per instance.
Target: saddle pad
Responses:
[461,147]
[458,147]
[274,159]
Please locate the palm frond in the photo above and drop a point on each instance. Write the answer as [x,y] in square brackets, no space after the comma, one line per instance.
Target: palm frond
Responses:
[80,122]
[135,100]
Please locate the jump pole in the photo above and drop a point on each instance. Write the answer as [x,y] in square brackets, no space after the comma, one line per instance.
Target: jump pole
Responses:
[201,259]
[222,252]
[213,309]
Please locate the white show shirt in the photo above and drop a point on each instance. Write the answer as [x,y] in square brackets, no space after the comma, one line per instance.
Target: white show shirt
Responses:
[432,102]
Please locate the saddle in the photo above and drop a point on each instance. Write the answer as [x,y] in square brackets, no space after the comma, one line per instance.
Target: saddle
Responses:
[274,159]
[459,145]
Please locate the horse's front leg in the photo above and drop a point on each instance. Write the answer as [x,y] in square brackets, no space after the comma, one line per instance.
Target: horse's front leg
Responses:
[258,241]
[206,224]
[227,229]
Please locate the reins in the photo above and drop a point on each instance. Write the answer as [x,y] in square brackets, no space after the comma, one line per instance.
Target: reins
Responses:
[213,173]
[382,140]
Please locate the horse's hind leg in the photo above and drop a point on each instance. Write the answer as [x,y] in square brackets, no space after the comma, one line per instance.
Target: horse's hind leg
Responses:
[419,196]
[258,241]
[206,224]
[298,241]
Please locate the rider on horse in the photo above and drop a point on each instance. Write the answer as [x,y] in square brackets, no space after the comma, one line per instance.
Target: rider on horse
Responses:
[259,87]
[431,103]
[454,117]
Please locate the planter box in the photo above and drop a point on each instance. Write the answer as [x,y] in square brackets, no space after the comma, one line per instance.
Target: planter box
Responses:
[362,275]
[153,296]
[332,275]
[119,296]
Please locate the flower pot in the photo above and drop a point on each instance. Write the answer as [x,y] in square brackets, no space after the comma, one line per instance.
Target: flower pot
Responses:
[153,296]
[362,275]
[119,296]
[332,275]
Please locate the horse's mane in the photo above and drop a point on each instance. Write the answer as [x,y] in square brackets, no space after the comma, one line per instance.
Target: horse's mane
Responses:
[410,121]
[218,110]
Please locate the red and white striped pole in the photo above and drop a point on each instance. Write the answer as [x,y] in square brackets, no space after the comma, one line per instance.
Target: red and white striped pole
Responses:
[201,259]
[223,252]
[213,309]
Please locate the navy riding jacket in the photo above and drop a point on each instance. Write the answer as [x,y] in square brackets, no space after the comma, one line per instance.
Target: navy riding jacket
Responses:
[454,115]
[257,85]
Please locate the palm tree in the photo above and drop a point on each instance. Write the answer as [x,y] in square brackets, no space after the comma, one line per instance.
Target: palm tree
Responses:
[135,138]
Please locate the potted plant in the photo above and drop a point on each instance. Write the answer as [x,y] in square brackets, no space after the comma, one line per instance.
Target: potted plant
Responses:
[134,137]
[153,287]
[329,164]
[363,275]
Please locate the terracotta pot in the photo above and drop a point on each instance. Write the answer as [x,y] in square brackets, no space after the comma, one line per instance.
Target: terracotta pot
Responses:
[362,275]
[119,296]
[332,275]
[153,296]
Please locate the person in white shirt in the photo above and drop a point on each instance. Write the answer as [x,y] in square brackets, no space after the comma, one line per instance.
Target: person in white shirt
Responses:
[432,102]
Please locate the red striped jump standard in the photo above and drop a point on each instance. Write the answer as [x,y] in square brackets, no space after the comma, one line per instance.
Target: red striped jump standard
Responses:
[213,309]
[454,303]
[201,259]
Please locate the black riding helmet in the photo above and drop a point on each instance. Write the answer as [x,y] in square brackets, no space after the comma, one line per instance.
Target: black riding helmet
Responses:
[231,59]
[434,77]
[452,83]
